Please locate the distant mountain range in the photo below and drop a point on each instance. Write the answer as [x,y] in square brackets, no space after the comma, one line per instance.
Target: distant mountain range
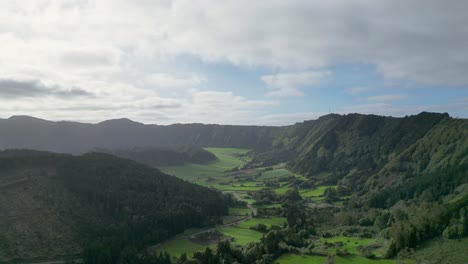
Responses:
[343,146]
[378,160]
[24,132]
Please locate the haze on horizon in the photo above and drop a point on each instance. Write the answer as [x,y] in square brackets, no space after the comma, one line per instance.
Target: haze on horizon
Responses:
[231,62]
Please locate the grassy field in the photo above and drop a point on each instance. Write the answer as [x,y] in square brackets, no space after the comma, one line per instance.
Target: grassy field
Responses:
[279,221]
[315,192]
[241,236]
[176,247]
[349,243]
[214,174]
[299,259]
[228,158]
[220,175]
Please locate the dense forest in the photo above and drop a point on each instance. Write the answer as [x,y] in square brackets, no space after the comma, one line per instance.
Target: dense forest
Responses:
[156,157]
[105,202]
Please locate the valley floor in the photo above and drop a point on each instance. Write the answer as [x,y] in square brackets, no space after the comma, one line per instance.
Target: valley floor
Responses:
[237,227]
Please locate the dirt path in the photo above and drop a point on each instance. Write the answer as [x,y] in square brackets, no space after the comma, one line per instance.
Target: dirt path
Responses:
[252,209]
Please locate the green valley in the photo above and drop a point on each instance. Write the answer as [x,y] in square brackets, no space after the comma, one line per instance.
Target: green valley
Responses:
[339,189]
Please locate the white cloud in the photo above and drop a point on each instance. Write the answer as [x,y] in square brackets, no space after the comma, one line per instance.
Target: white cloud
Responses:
[386,97]
[425,44]
[289,84]
[222,108]
[166,80]
[289,118]
[123,52]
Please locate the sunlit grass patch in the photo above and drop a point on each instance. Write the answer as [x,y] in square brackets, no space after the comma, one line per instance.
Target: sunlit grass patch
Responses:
[350,243]
[211,173]
[306,259]
[299,259]
[241,236]
[317,192]
[279,221]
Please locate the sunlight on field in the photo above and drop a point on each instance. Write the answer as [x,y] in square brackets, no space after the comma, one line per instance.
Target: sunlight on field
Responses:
[241,236]
[298,259]
[176,247]
[213,171]
[279,221]
[306,259]
[349,243]
[220,175]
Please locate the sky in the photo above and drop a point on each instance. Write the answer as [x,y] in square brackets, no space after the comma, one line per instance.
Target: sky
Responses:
[253,62]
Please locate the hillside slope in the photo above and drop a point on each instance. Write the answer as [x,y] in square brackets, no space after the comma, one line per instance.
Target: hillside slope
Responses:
[50,204]
[352,148]
[445,145]
[156,157]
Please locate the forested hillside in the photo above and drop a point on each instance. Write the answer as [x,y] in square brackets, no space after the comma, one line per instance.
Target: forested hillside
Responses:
[51,204]
[156,157]
[355,144]
[363,152]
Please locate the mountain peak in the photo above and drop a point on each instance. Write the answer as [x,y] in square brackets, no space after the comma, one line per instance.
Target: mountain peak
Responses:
[120,121]
[26,118]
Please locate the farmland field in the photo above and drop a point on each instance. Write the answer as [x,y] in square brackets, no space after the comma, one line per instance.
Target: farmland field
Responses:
[226,174]
[306,259]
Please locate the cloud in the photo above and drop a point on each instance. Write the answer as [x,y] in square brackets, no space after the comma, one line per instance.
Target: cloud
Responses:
[12,89]
[88,58]
[356,90]
[386,97]
[289,84]
[166,80]
[126,62]
[289,118]
[425,44]
[222,108]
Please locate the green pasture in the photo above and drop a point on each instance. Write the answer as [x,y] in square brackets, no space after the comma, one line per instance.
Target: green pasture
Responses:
[306,259]
[279,221]
[212,173]
[241,236]
[349,243]
[317,192]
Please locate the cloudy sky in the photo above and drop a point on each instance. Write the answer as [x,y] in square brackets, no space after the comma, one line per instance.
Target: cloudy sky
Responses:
[260,62]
